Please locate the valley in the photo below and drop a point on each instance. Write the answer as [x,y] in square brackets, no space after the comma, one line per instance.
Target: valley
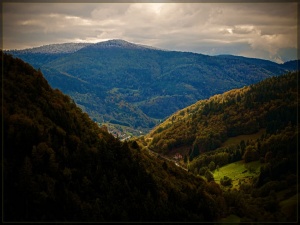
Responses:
[122,150]
[137,87]
[251,154]
[59,165]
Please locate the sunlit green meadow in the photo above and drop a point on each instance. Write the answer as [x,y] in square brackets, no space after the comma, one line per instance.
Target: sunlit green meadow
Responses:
[239,172]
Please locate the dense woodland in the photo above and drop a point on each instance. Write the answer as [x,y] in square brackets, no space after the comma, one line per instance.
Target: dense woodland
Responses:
[204,126]
[268,108]
[122,83]
[58,165]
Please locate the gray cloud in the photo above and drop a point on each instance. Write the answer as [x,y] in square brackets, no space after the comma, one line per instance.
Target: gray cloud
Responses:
[259,30]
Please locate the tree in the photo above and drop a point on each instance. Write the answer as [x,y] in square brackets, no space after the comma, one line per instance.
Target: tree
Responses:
[185,158]
[212,166]
[250,154]
[164,165]
[243,146]
[195,152]
[268,156]
[134,145]
[203,170]
[209,176]
[226,181]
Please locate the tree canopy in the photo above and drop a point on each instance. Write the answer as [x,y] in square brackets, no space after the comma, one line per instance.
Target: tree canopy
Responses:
[58,165]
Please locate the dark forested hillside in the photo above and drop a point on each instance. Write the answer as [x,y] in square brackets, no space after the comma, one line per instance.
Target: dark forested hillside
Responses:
[135,86]
[58,165]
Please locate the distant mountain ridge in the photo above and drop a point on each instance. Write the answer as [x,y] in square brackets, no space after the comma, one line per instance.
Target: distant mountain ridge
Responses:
[135,86]
[53,48]
[74,47]
[118,43]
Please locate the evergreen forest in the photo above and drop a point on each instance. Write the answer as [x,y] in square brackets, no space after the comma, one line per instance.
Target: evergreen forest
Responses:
[228,158]
[254,128]
[60,166]
[133,87]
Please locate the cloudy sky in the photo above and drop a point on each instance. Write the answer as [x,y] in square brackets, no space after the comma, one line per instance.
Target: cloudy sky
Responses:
[260,30]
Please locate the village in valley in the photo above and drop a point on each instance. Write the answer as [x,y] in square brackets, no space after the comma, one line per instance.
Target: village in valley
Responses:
[120,132]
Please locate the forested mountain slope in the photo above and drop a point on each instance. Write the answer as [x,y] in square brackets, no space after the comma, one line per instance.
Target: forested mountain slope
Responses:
[255,124]
[58,165]
[135,86]
[270,104]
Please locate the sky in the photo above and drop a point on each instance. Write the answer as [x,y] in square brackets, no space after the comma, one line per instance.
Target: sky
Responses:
[258,30]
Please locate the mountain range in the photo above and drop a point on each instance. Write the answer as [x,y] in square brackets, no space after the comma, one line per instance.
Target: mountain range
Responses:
[60,166]
[136,86]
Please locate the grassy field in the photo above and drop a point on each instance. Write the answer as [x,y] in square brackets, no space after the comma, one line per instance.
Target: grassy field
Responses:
[237,140]
[239,172]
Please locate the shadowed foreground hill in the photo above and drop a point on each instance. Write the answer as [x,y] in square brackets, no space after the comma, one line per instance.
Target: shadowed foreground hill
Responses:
[58,165]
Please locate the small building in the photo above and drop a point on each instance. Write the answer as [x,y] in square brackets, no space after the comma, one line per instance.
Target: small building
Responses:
[178,156]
